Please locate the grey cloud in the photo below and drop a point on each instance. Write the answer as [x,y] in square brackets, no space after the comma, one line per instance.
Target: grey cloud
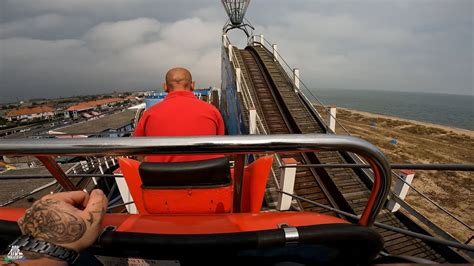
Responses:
[113,36]
[385,46]
[63,47]
[111,56]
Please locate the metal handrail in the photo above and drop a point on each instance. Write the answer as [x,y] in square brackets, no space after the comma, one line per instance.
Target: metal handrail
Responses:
[438,167]
[387,227]
[217,145]
[46,176]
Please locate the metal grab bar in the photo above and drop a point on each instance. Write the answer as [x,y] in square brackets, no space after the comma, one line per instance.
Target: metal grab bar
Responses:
[427,167]
[447,242]
[218,145]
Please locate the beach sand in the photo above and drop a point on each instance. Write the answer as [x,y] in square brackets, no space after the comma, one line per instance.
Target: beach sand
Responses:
[420,142]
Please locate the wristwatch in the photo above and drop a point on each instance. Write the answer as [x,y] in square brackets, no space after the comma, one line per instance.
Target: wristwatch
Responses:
[29,243]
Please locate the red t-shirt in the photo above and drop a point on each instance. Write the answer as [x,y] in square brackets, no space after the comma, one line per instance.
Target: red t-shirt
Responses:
[180,114]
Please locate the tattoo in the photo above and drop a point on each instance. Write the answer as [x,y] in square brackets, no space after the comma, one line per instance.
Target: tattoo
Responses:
[91,218]
[46,221]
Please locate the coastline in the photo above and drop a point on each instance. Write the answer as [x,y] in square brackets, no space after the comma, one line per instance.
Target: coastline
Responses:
[421,142]
[456,130]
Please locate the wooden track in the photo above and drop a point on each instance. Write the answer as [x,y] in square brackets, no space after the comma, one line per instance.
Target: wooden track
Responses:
[308,181]
[283,112]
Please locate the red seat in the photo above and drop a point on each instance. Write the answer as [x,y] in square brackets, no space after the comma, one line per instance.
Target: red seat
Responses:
[175,200]
[197,199]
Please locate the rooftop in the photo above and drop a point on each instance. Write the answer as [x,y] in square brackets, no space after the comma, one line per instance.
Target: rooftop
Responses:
[91,104]
[102,124]
[29,110]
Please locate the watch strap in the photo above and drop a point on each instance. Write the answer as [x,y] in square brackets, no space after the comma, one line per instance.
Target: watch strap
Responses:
[29,243]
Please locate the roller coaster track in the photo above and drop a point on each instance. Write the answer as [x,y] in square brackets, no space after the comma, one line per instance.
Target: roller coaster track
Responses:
[283,111]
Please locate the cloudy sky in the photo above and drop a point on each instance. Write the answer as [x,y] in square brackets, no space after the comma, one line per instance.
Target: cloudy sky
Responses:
[52,48]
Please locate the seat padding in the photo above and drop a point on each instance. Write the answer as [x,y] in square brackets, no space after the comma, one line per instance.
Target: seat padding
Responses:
[194,174]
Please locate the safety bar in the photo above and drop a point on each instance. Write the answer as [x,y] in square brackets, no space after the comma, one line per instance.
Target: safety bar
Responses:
[469,167]
[217,145]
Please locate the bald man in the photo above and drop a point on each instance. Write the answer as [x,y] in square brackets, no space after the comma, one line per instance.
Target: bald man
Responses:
[180,114]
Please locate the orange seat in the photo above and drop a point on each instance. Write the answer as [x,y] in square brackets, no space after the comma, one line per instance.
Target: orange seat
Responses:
[174,200]
[195,200]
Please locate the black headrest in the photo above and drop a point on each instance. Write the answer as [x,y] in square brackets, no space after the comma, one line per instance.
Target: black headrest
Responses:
[204,173]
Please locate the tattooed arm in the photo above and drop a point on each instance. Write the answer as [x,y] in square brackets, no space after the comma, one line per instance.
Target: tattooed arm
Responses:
[69,219]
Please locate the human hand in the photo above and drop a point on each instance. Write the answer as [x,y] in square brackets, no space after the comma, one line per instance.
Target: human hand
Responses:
[68,219]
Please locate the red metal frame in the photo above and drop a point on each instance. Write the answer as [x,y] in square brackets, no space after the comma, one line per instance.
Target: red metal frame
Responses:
[57,172]
[200,223]
[364,219]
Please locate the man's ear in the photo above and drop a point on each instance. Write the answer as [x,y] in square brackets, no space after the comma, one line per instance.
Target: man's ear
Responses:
[192,85]
[165,87]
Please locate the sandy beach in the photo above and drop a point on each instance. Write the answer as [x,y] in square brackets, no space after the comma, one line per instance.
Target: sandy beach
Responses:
[420,142]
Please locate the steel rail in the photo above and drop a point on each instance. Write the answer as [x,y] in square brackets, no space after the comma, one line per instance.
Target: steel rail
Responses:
[421,194]
[393,166]
[388,227]
[217,145]
[428,167]
[82,133]
[16,177]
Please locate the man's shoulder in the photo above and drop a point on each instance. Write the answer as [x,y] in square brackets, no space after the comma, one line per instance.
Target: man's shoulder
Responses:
[183,102]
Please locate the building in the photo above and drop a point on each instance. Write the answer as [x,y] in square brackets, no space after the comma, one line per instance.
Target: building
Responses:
[115,125]
[29,113]
[83,108]
[153,98]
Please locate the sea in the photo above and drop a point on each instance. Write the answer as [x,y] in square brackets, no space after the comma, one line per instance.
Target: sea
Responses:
[443,109]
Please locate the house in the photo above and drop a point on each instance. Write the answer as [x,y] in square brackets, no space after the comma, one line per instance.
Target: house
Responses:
[30,113]
[83,107]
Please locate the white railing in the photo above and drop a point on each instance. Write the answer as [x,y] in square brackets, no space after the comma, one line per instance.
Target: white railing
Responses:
[248,102]
[293,75]
[240,80]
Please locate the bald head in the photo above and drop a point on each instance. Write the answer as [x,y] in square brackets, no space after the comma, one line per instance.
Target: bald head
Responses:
[178,79]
